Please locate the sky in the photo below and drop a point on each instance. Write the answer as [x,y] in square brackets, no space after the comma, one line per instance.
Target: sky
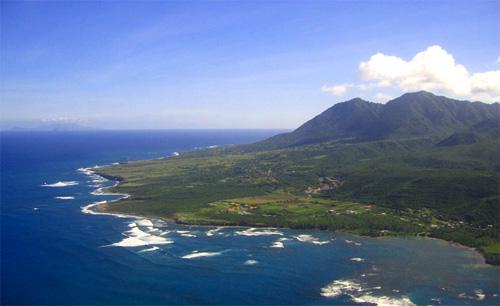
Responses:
[235,64]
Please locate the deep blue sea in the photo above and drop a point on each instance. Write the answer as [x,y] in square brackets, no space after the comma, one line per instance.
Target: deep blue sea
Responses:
[52,253]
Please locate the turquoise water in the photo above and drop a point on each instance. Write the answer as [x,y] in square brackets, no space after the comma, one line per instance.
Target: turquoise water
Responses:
[52,253]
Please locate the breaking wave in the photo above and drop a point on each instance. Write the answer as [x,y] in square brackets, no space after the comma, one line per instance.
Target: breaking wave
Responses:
[152,249]
[61,184]
[384,300]
[137,237]
[88,210]
[358,294]
[144,222]
[87,171]
[255,232]
[340,287]
[213,231]
[279,243]
[311,239]
[100,191]
[196,254]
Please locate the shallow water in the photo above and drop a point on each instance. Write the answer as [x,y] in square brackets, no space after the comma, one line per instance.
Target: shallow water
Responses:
[52,253]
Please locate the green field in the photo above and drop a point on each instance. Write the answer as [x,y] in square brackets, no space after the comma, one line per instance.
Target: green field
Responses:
[406,187]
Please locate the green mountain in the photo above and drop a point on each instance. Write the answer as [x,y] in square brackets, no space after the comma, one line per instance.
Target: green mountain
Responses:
[410,115]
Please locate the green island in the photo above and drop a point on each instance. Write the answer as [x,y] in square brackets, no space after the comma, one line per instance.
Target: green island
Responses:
[419,165]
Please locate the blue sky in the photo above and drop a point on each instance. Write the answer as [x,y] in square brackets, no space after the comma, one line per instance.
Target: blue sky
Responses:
[236,64]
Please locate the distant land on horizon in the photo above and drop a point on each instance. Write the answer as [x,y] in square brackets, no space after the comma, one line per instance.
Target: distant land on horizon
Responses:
[51,127]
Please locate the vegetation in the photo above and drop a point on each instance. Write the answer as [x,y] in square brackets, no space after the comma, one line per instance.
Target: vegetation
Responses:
[430,184]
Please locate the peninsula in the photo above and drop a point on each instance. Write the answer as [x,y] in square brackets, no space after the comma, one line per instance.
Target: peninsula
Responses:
[420,164]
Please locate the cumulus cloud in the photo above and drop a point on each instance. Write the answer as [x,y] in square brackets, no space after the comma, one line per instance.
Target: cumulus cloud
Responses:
[486,83]
[433,69]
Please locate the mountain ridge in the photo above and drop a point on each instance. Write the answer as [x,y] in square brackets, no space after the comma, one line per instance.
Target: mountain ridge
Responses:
[412,114]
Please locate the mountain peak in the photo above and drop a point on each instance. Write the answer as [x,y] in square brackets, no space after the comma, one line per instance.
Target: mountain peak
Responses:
[356,100]
[420,93]
[420,96]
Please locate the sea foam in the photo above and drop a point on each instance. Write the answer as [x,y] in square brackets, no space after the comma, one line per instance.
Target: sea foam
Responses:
[250,262]
[311,239]
[352,242]
[357,259]
[279,243]
[152,249]
[61,184]
[88,210]
[87,171]
[213,231]
[100,191]
[137,237]
[185,234]
[188,235]
[144,222]
[359,294]
[65,198]
[383,300]
[339,287]
[255,232]
[478,295]
[196,254]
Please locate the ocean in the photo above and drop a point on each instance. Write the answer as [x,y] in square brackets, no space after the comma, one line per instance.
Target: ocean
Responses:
[53,253]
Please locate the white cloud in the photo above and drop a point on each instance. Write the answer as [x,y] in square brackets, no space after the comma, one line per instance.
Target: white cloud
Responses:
[486,82]
[433,69]
[336,90]
[498,59]
[382,97]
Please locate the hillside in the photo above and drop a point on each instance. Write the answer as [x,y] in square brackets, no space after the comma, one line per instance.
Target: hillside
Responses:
[418,165]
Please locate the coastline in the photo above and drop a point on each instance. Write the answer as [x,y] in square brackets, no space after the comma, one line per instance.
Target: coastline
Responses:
[97,208]
[100,208]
